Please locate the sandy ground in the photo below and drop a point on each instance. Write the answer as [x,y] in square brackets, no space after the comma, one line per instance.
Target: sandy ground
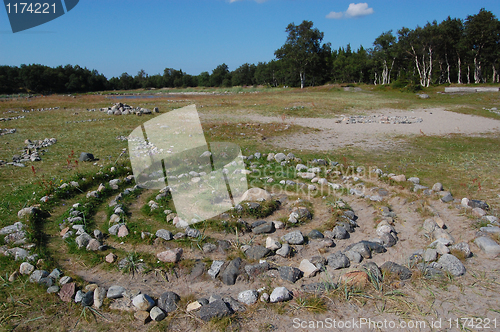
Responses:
[333,135]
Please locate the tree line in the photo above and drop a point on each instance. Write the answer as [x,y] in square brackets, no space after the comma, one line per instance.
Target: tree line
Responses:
[453,51]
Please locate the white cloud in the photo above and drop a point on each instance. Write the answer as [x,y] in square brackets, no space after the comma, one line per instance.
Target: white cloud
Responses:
[358,9]
[335,15]
[353,11]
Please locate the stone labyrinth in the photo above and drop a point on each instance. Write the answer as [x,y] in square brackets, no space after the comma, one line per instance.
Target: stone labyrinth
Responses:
[318,226]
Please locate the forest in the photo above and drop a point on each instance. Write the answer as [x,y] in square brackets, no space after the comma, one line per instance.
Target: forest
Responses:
[463,51]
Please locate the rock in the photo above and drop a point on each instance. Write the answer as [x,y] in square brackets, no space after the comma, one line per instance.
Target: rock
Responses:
[26,212]
[115,292]
[256,195]
[257,252]
[170,256]
[284,251]
[353,256]
[142,316]
[215,269]
[209,247]
[85,156]
[308,268]
[462,247]
[447,198]
[355,278]
[122,304]
[168,301]
[215,309]
[267,227]
[115,218]
[362,248]
[64,280]
[430,255]
[98,234]
[12,228]
[110,258]
[113,230]
[272,244]
[488,246]
[13,276]
[248,297]
[53,289]
[257,269]
[26,268]
[290,274]
[465,202]
[373,271]
[478,212]
[79,296]
[451,264]
[280,294]
[157,314]
[414,180]
[164,234]
[474,203]
[423,96]
[99,295]
[279,157]
[37,275]
[122,231]
[67,292]
[429,225]
[231,272]
[93,245]
[83,240]
[399,178]
[88,299]
[294,237]
[315,234]
[278,224]
[338,261]
[401,271]
[339,233]
[143,302]
[193,306]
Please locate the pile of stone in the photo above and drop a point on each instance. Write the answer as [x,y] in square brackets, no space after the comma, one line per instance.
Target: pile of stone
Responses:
[7,131]
[31,151]
[89,120]
[379,119]
[13,118]
[492,110]
[40,109]
[124,109]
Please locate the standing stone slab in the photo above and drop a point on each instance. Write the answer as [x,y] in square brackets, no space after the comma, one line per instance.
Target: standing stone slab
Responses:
[231,272]
[215,269]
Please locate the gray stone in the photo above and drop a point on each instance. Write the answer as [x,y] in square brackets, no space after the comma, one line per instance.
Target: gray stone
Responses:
[401,271]
[215,268]
[85,156]
[290,274]
[488,246]
[47,282]
[55,274]
[340,233]
[294,237]
[26,268]
[338,261]
[64,280]
[53,289]
[248,297]
[430,255]
[157,314]
[113,230]
[168,301]
[462,247]
[447,198]
[308,269]
[284,251]
[388,240]
[12,228]
[474,203]
[362,248]
[231,271]
[414,180]
[257,269]
[16,238]
[143,302]
[98,234]
[99,295]
[215,309]
[257,252]
[37,275]
[164,234]
[451,264]
[209,247]
[437,187]
[280,294]
[279,157]
[315,234]
[490,229]
[88,299]
[79,296]
[373,271]
[115,292]
[267,227]
[191,232]
[353,256]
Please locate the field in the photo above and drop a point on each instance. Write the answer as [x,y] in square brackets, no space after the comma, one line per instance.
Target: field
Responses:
[452,139]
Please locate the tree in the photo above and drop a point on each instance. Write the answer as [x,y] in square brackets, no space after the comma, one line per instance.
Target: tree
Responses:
[220,76]
[302,48]
[385,53]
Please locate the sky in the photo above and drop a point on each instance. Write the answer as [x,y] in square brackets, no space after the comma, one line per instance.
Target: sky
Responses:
[117,36]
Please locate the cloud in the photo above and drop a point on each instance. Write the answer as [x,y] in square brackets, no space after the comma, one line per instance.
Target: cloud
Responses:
[354,10]
[335,15]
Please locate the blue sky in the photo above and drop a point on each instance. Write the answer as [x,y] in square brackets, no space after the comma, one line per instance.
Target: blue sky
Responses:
[116,36]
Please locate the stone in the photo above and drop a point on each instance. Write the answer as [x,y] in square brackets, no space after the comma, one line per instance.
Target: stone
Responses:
[280,294]
[284,251]
[64,280]
[98,234]
[157,314]
[13,276]
[478,212]
[111,258]
[462,247]
[191,232]
[67,292]
[93,245]
[414,180]
[429,225]
[267,227]
[488,246]
[279,157]
[12,228]
[278,224]
[290,274]
[37,275]
[143,302]
[388,240]
[83,240]
[231,271]
[248,297]
[308,269]
[85,156]
[168,301]
[26,212]
[447,198]
[88,299]
[451,264]
[264,298]
[193,306]
[79,296]
[355,278]
[373,271]
[215,268]
[170,256]
[401,271]
[122,304]
[353,256]
[142,316]
[256,195]
[115,292]
[339,233]
[442,249]
[26,268]
[53,289]
[338,260]
[430,255]
[362,248]
[465,202]
[115,218]
[257,269]
[164,234]
[99,295]
[272,244]
[294,237]
[215,309]
[315,234]
[257,252]
[475,203]
[122,231]
[399,178]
